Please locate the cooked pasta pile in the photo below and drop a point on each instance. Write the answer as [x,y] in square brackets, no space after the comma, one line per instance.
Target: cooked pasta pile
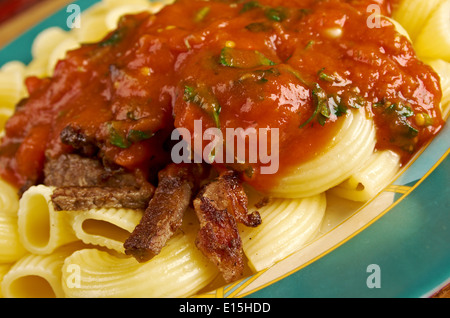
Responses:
[48,253]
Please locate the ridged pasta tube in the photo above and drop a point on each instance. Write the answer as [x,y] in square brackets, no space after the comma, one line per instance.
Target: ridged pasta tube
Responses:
[4,268]
[37,276]
[434,39]
[287,225]
[5,114]
[60,51]
[371,178]
[106,227]
[414,14]
[443,69]
[180,270]
[11,249]
[42,229]
[9,199]
[349,149]
[12,88]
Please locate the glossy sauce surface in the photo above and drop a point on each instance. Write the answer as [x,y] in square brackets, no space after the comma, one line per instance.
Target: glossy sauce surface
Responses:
[297,66]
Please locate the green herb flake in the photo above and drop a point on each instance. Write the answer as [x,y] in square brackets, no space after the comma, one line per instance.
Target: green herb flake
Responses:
[276,14]
[309,45]
[258,27]
[202,96]
[260,76]
[116,139]
[303,13]
[201,14]
[238,58]
[339,108]
[135,136]
[113,39]
[322,111]
[324,76]
[250,6]
[397,115]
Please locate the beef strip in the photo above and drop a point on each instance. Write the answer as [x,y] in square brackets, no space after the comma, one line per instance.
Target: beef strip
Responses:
[227,192]
[85,198]
[84,183]
[74,136]
[163,217]
[219,206]
[71,170]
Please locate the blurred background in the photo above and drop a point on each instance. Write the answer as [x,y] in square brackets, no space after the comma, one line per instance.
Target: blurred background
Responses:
[10,8]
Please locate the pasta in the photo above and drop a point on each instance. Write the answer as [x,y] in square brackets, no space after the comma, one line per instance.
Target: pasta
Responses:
[288,224]
[59,52]
[179,271]
[11,88]
[434,39]
[9,200]
[103,16]
[367,181]
[94,29]
[414,14]
[11,249]
[5,113]
[353,145]
[48,253]
[443,69]
[46,41]
[37,276]
[105,227]
[42,229]
[4,268]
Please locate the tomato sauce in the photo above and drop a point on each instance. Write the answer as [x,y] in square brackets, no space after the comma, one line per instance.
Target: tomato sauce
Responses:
[298,66]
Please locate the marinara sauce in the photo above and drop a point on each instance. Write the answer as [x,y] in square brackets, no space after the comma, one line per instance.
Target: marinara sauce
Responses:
[298,66]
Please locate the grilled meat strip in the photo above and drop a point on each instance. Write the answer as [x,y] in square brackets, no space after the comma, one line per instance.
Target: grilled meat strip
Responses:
[163,217]
[86,198]
[74,136]
[84,183]
[219,206]
[73,170]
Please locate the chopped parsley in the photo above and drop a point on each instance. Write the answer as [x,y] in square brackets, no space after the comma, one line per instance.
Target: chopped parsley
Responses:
[324,76]
[277,14]
[125,141]
[260,76]
[238,58]
[201,14]
[202,96]
[259,27]
[397,116]
[250,6]
[322,111]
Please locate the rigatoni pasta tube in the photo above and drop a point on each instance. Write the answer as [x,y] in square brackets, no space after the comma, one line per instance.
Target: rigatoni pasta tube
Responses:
[180,270]
[9,199]
[11,88]
[37,276]
[43,46]
[434,39]
[105,227]
[5,114]
[287,225]
[4,268]
[11,249]
[443,69]
[41,228]
[371,178]
[351,147]
[413,14]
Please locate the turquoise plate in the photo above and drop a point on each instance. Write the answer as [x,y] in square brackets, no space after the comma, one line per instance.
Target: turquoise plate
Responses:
[395,246]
